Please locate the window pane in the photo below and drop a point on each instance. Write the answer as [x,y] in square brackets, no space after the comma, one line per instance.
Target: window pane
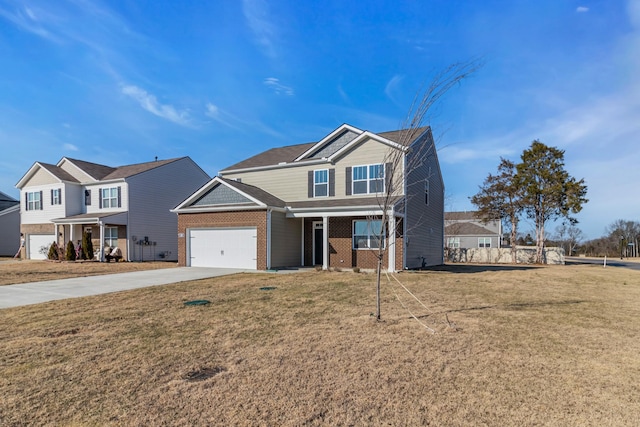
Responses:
[321,190]
[376,171]
[360,187]
[376,186]
[321,176]
[359,172]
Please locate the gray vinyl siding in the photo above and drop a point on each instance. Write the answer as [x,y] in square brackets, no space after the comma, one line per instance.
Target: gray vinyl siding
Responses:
[9,231]
[73,199]
[286,240]
[151,196]
[424,224]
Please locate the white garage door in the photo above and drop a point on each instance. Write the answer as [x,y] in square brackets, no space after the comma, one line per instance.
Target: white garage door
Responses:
[224,247]
[37,241]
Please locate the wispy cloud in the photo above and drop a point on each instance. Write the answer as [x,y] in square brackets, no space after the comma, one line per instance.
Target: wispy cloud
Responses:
[227,119]
[392,88]
[150,103]
[69,147]
[257,14]
[278,87]
[582,9]
[31,20]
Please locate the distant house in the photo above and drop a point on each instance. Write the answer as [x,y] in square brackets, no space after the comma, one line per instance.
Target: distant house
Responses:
[468,230]
[126,207]
[318,204]
[9,225]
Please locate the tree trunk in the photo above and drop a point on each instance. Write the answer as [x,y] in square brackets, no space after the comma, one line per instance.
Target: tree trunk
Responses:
[378,288]
[514,232]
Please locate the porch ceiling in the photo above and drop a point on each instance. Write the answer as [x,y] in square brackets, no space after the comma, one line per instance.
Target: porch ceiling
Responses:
[116,218]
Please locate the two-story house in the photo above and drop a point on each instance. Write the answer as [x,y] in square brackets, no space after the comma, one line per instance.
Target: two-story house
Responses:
[9,225]
[322,203]
[469,230]
[126,207]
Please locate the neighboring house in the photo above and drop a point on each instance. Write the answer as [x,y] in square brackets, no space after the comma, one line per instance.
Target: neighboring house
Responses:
[9,225]
[467,230]
[126,207]
[317,204]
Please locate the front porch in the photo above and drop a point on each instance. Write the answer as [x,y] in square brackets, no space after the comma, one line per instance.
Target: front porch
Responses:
[106,231]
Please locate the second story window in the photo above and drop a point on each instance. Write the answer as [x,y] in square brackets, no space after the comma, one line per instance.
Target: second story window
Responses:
[34,201]
[321,183]
[368,179]
[56,196]
[110,197]
[87,197]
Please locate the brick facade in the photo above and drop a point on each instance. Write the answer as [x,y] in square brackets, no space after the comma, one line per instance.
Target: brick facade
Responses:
[341,252]
[224,219]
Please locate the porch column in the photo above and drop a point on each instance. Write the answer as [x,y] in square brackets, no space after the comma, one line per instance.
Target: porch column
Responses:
[325,243]
[302,244]
[101,246]
[391,242]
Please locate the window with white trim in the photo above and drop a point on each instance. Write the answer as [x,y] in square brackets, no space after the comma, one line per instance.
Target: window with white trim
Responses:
[367,234]
[321,183]
[109,197]
[484,242]
[368,179]
[111,236]
[453,242]
[34,200]
[56,196]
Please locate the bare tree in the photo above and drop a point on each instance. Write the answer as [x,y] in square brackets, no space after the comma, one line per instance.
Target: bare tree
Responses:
[410,155]
[570,236]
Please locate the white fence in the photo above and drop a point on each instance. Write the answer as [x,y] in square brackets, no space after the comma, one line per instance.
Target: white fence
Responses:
[524,255]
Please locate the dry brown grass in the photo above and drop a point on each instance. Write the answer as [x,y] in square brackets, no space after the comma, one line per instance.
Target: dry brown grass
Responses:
[26,271]
[531,346]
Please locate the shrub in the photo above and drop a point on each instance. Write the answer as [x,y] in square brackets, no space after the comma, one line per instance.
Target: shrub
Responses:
[53,251]
[356,269]
[87,246]
[71,252]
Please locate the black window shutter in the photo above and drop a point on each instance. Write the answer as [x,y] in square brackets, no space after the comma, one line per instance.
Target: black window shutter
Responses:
[119,197]
[348,181]
[52,196]
[100,198]
[310,184]
[41,200]
[388,178]
[332,182]
[59,196]
[26,201]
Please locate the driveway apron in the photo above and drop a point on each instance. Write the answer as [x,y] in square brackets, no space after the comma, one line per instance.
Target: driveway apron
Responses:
[38,292]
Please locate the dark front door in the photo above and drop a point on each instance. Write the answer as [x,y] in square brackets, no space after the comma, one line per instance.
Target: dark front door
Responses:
[317,246]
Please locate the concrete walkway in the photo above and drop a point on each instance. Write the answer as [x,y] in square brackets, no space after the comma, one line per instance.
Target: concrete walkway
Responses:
[38,292]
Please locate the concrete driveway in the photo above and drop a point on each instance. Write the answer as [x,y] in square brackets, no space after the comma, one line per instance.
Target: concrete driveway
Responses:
[38,292]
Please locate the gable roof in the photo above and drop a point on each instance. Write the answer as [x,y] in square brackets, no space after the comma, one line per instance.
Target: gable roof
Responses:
[467,229]
[96,171]
[465,216]
[309,151]
[252,197]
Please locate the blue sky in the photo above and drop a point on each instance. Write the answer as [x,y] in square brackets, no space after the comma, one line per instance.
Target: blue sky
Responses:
[124,81]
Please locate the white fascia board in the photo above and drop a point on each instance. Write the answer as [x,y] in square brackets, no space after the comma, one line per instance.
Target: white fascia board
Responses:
[107,181]
[319,212]
[226,208]
[268,167]
[327,139]
[362,137]
[65,159]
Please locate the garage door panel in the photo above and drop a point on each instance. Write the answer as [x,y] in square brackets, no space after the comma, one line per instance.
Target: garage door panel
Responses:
[224,248]
[37,241]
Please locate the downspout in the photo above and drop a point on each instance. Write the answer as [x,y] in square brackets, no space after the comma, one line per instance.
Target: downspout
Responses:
[302,244]
[405,238]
